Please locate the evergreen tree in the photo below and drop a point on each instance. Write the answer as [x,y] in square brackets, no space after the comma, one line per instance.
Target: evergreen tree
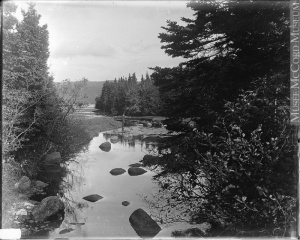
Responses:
[226,164]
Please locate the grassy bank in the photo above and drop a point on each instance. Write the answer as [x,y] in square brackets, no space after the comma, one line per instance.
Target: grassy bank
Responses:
[94,125]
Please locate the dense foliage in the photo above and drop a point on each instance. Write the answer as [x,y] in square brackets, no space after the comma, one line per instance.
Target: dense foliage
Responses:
[129,96]
[233,162]
[34,113]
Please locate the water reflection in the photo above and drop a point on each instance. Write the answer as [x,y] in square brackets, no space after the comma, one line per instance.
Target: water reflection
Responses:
[89,173]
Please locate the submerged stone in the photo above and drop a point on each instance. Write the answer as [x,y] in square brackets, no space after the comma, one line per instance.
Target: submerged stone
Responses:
[105,147]
[143,224]
[117,171]
[67,230]
[136,171]
[92,198]
[125,203]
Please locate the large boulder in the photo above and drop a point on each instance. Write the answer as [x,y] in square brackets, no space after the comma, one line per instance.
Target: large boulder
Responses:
[135,171]
[52,158]
[92,198]
[23,184]
[117,171]
[105,147]
[48,207]
[143,224]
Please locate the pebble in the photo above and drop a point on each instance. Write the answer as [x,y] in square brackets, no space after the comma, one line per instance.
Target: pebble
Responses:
[31,221]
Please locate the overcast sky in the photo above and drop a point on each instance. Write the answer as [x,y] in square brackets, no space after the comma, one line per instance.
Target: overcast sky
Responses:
[103,40]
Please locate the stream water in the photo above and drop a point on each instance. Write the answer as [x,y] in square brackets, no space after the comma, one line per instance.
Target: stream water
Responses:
[89,173]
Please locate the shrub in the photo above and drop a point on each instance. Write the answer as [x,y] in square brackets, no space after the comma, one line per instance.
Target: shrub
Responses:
[241,173]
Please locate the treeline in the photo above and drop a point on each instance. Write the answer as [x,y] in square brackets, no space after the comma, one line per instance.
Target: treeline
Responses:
[129,96]
[233,165]
[35,111]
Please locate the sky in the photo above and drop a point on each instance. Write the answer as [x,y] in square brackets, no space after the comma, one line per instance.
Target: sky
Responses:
[104,40]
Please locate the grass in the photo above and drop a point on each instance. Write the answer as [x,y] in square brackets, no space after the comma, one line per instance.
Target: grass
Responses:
[94,125]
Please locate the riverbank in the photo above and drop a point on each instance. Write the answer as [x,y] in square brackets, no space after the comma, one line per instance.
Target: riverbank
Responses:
[13,200]
[16,203]
[94,125]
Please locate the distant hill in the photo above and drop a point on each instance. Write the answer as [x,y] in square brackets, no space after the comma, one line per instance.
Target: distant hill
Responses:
[92,90]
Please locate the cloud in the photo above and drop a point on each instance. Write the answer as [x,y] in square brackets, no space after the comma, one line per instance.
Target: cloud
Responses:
[140,48]
[77,48]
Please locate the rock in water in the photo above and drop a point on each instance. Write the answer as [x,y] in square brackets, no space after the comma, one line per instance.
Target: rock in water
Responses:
[117,171]
[135,171]
[48,207]
[67,230]
[143,224]
[105,147]
[136,165]
[93,198]
[125,203]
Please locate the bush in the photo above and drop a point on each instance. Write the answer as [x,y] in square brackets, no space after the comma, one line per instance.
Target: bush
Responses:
[241,173]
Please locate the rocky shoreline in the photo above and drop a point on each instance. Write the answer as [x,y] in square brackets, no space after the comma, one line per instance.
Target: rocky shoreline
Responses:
[32,217]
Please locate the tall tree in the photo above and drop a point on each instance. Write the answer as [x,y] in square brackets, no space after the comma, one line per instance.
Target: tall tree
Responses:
[26,77]
[222,48]
[226,163]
